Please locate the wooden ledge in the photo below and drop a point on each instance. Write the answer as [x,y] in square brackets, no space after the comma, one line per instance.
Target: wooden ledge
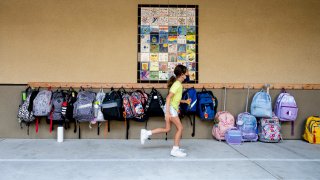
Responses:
[97,85]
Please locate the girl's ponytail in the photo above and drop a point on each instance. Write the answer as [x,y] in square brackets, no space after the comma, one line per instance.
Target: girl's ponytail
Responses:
[171,81]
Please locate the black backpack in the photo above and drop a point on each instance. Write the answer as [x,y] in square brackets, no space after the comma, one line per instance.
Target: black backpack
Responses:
[112,106]
[155,104]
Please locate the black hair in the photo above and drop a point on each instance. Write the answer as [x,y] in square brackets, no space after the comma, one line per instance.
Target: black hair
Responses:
[178,71]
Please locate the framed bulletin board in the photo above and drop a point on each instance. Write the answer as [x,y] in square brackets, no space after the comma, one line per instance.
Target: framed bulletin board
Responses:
[167,36]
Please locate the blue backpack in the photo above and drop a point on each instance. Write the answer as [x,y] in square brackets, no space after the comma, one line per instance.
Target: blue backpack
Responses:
[207,105]
[261,105]
[191,108]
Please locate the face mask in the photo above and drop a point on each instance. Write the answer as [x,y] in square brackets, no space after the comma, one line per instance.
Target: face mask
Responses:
[187,79]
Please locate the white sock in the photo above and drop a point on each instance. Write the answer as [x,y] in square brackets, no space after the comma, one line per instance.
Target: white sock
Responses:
[149,133]
[175,147]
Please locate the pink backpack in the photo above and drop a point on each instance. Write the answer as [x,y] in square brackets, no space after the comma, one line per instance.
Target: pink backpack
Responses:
[224,121]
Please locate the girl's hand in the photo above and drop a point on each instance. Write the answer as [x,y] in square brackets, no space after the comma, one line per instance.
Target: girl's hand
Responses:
[188,101]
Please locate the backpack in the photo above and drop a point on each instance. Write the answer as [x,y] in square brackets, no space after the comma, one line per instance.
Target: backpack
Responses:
[286,108]
[189,109]
[83,107]
[98,115]
[269,129]
[312,130]
[126,104]
[261,105]
[223,121]
[112,106]
[24,115]
[42,104]
[154,106]
[247,124]
[144,99]
[207,105]
[98,101]
[67,108]
[137,108]
[58,97]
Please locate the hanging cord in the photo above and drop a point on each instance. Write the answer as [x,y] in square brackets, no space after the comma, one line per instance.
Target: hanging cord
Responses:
[225,97]
[247,100]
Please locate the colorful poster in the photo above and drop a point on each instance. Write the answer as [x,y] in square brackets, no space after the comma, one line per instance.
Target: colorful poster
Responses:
[154,66]
[172,57]
[154,75]
[191,39]
[167,37]
[145,66]
[163,66]
[144,75]
[163,38]
[163,48]
[154,57]
[171,66]
[163,57]
[191,57]
[154,48]
[145,47]
[163,75]
[144,57]
[192,75]
[182,30]
[145,38]
[172,39]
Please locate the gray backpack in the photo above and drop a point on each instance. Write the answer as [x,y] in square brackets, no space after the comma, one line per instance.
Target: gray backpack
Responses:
[58,97]
[83,107]
[42,103]
[24,115]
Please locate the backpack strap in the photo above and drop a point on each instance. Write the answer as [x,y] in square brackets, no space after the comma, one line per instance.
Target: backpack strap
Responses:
[225,99]
[79,130]
[106,129]
[51,118]
[247,100]
[37,125]
[292,128]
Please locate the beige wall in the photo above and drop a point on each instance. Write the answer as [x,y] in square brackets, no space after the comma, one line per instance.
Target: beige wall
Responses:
[242,41]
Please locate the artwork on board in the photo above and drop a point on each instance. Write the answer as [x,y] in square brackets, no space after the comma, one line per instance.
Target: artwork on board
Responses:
[167,37]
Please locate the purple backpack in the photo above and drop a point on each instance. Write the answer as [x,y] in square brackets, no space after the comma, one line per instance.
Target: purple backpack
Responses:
[286,108]
[247,124]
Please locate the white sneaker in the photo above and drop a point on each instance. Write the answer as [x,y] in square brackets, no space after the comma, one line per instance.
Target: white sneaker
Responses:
[183,150]
[143,136]
[178,153]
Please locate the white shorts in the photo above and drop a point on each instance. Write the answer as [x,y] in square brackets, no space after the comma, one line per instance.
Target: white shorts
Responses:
[173,112]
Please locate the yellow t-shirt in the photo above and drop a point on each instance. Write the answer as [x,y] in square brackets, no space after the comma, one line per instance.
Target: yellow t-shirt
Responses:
[176,89]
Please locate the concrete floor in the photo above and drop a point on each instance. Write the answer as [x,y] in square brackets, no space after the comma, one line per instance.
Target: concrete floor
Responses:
[127,159]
